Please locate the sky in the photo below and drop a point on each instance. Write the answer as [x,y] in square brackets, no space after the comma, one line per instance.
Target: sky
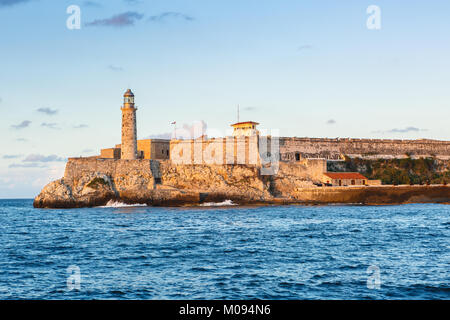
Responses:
[308,68]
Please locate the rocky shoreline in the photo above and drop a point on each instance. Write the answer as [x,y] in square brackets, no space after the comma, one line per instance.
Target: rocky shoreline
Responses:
[94,182]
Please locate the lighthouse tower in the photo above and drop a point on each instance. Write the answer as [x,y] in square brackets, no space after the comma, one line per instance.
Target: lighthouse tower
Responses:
[129,143]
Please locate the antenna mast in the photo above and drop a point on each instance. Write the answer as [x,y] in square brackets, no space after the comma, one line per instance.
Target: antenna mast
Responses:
[238,114]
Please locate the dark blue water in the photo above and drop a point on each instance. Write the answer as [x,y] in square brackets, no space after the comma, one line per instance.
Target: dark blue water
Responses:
[292,252]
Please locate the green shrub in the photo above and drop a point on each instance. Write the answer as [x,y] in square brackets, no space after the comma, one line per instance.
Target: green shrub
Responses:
[401,171]
[96,182]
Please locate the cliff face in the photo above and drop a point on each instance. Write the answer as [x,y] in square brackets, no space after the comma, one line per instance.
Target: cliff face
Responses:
[93,182]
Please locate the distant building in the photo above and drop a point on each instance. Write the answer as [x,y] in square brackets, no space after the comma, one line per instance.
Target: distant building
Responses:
[110,153]
[153,149]
[245,129]
[344,179]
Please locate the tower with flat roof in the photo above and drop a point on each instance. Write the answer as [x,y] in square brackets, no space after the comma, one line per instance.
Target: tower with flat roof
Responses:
[246,129]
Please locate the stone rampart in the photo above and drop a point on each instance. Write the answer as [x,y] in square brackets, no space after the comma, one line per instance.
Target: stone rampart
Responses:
[334,149]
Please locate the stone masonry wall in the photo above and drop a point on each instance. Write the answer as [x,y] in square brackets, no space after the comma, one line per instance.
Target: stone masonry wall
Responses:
[229,150]
[124,173]
[334,149]
[129,144]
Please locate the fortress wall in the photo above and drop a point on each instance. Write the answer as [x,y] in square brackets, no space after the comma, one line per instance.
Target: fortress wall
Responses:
[333,149]
[229,150]
[374,194]
[160,149]
[78,168]
[306,169]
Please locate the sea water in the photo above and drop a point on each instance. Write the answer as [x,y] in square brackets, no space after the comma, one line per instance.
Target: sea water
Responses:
[225,252]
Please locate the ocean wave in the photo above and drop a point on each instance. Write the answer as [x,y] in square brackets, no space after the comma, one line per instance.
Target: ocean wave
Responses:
[218,204]
[118,204]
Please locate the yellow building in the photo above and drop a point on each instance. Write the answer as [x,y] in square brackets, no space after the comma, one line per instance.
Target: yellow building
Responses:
[344,179]
[154,149]
[245,129]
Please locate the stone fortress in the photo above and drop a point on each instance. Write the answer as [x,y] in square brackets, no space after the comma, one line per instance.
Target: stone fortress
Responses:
[246,167]
[247,146]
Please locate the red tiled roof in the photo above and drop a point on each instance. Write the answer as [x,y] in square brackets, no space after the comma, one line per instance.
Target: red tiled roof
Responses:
[345,175]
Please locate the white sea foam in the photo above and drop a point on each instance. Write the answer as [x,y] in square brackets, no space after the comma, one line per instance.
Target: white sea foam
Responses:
[218,204]
[118,204]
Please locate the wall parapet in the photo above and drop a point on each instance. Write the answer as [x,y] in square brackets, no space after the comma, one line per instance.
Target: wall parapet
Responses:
[292,148]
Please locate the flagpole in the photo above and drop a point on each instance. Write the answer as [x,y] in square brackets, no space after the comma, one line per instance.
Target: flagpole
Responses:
[238,114]
[175,129]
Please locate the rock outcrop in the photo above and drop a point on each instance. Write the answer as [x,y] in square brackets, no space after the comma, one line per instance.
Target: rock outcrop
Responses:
[91,182]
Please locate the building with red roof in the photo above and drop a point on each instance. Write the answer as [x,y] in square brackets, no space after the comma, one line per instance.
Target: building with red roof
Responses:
[344,179]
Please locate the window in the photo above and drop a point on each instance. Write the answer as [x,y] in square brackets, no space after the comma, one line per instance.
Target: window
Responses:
[353,182]
[297,156]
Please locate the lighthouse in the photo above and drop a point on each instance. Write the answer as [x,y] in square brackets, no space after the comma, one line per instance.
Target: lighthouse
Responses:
[129,143]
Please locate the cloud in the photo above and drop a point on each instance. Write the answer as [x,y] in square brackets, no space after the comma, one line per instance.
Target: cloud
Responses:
[132,2]
[42,158]
[187,131]
[81,126]
[170,15]
[50,125]
[405,130]
[304,47]
[92,4]
[331,121]
[11,156]
[166,135]
[26,180]
[27,165]
[115,68]
[21,125]
[47,111]
[121,20]
[9,3]
[192,131]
